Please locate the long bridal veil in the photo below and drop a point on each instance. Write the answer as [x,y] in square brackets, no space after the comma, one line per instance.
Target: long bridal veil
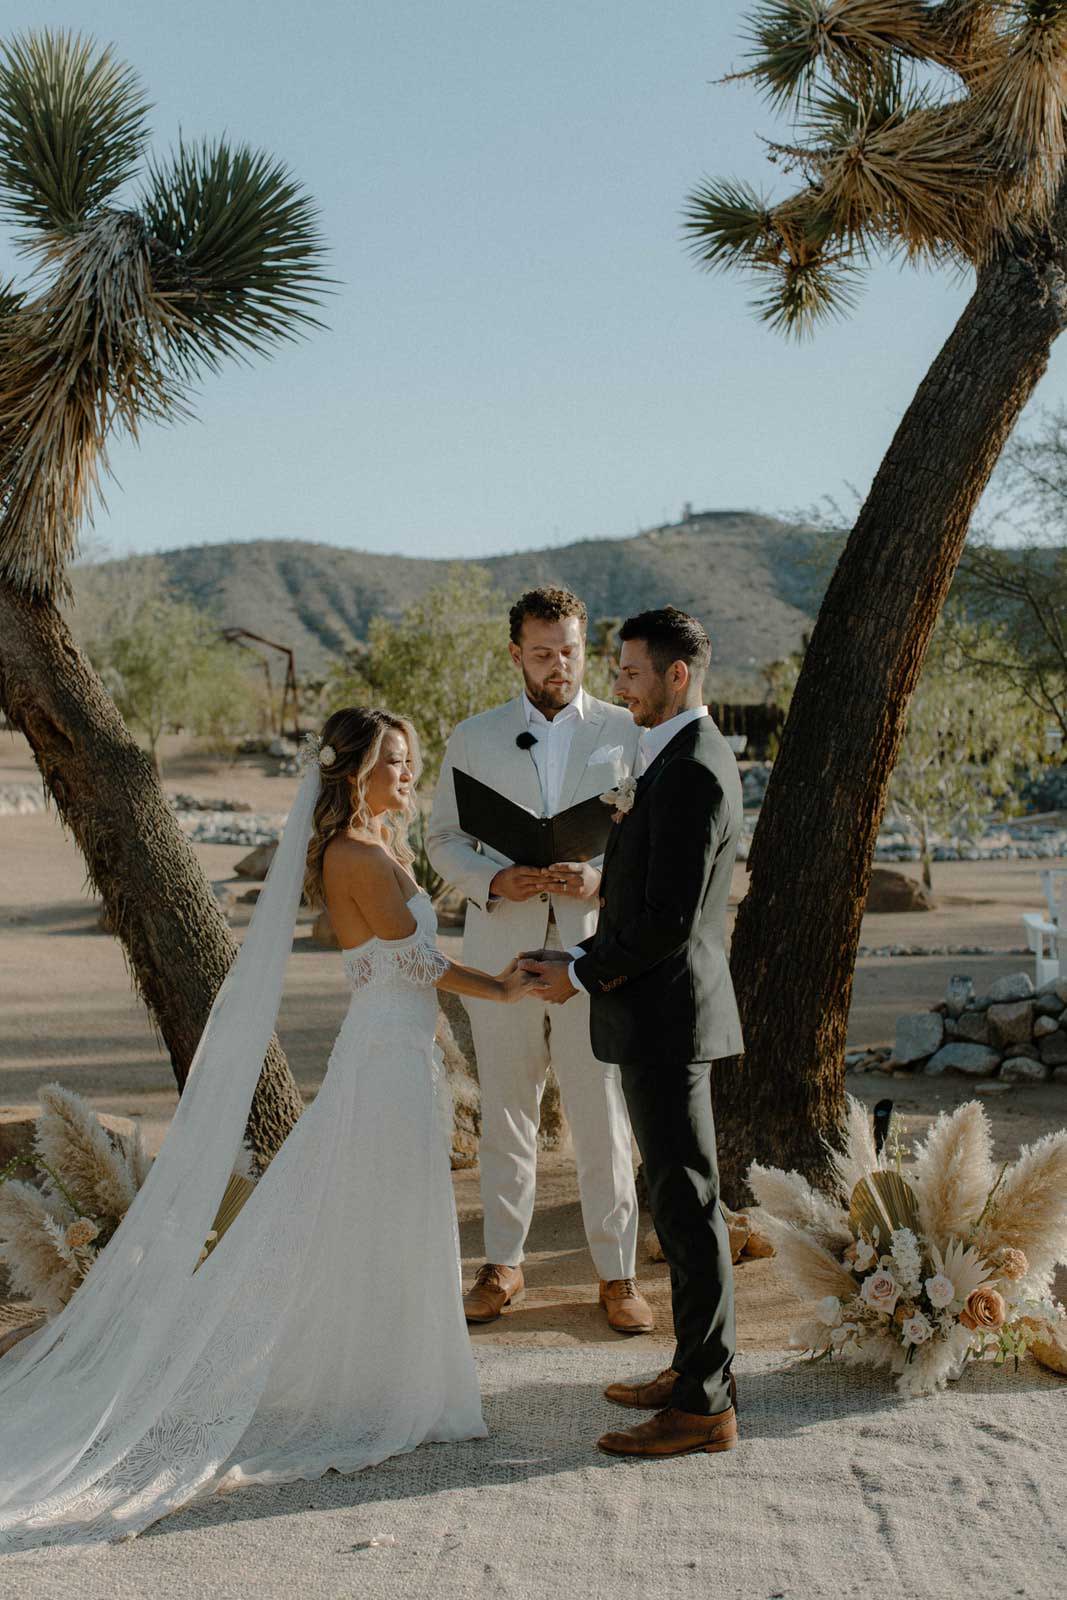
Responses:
[80,1401]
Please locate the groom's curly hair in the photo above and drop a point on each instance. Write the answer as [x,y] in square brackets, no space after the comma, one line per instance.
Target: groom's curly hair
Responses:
[549,605]
[670,635]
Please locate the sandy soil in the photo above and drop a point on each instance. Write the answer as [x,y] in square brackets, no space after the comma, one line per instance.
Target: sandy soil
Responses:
[68,1012]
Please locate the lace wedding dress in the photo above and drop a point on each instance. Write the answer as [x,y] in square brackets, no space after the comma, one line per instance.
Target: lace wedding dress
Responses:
[326,1329]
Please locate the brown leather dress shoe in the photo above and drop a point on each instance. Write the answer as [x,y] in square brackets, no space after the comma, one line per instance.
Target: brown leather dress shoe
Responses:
[654,1394]
[628,1310]
[674,1433]
[494,1288]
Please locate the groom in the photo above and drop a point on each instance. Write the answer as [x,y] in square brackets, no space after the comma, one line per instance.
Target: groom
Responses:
[662,1005]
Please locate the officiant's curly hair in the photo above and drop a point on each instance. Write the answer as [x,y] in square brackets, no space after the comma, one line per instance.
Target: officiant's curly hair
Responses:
[355,736]
[548,604]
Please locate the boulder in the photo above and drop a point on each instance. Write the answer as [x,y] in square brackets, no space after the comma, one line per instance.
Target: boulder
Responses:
[1010,1023]
[1047,1343]
[973,1059]
[1044,1026]
[1057,987]
[973,1027]
[225,896]
[895,891]
[1048,1005]
[959,993]
[1054,1049]
[1059,1074]
[917,1036]
[1023,1069]
[257,863]
[1016,986]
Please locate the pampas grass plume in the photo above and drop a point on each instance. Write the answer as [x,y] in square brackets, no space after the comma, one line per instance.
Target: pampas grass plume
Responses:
[811,1271]
[1029,1210]
[71,1139]
[790,1197]
[40,1267]
[954,1172]
[856,1156]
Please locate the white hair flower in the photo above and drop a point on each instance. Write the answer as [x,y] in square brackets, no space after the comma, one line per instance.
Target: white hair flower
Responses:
[327,756]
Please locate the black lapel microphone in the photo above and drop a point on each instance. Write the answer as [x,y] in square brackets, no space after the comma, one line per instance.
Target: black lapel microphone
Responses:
[526,741]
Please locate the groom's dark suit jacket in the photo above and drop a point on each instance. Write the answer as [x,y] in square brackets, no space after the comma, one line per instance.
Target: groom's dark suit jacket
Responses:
[656,967]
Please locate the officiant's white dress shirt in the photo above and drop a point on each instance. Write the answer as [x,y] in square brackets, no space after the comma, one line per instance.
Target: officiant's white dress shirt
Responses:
[653,741]
[553,747]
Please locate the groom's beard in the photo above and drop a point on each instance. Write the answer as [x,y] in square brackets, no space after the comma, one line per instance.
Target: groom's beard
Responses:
[653,709]
[550,698]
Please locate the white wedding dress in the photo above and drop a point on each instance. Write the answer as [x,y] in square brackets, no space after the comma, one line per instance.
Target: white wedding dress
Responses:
[326,1329]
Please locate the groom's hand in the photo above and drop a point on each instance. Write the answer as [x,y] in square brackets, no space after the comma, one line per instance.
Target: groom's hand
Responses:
[553,979]
[545,955]
[577,879]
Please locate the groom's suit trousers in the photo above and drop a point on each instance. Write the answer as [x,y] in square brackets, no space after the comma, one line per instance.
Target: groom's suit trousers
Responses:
[515,1046]
[671,1116]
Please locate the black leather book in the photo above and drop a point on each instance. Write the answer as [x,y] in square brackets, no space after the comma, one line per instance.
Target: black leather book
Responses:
[577,834]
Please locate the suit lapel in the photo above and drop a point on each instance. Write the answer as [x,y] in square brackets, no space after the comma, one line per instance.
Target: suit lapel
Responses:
[583,743]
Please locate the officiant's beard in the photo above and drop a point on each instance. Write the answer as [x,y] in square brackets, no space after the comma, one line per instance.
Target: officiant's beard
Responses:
[550,698]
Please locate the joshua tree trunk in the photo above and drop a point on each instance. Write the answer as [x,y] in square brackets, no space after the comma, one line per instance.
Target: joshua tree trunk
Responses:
[798,928]
[176,940]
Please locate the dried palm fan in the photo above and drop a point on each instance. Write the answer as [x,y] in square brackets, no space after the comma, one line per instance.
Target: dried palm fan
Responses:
[234,1196]
[882,1203]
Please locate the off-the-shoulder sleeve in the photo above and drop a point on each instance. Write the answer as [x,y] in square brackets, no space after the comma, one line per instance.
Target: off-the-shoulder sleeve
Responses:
[414,959]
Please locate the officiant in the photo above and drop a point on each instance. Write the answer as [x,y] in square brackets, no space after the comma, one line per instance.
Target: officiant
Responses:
[549,749]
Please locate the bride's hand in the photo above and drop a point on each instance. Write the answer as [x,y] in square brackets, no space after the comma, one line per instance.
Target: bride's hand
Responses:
[515,983]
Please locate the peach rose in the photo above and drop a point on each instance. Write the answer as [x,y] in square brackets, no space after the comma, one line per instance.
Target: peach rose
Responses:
[985,1308]
[881,1292]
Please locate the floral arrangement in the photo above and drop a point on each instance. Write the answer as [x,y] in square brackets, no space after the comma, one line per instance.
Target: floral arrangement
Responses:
[621,798]
[920,1260]
[53,1229]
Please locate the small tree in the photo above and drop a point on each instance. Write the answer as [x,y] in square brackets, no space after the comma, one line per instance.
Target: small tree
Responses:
[1022,589]
[445,659]
[969,733]
[167,668]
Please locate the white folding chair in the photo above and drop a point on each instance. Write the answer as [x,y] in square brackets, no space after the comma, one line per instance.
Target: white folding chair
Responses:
[1041,936]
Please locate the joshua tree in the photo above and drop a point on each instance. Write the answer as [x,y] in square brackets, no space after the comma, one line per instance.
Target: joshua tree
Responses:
[935,132]
[131,298]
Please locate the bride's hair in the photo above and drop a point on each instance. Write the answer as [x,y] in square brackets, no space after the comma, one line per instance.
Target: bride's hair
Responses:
[355,736]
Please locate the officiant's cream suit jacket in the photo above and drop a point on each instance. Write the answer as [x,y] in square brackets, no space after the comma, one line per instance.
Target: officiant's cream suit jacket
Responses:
[516,1044]
[485,747]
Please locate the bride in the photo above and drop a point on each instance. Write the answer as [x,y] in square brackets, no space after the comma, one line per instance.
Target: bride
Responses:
[326,1328]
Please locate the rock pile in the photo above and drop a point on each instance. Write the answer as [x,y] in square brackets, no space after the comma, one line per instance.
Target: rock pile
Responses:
[1014,1032]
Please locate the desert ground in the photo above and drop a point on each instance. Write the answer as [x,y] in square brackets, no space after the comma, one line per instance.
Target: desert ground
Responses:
[69,1013]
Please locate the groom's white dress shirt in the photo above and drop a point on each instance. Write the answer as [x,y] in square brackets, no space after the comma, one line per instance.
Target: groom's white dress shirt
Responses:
[652,742]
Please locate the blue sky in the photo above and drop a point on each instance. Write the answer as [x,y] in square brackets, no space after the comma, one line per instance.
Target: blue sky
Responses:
[520,351]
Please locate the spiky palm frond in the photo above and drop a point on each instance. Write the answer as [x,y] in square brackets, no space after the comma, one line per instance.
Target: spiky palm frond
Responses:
[223,260]
[72,128]
[730,222]
[1019,89]
[852,41]
[75,361]
[236,252]
[806,289]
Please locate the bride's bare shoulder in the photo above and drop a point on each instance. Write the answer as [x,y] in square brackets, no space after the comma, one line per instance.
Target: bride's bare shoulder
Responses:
[357,863]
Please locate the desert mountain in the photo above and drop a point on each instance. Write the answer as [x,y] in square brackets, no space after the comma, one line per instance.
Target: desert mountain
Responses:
[754,581]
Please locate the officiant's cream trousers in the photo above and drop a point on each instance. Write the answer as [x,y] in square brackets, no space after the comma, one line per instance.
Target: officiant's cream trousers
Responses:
[515,1046]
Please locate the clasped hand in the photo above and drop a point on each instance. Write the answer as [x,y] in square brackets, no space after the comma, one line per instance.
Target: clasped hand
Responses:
[551,972]
[575,879]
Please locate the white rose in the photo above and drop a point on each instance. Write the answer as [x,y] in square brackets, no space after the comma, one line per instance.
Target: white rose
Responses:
[940,1291]
[839,1334]
[881,1291]
[866,1255]
[829,1311]
[916,1329]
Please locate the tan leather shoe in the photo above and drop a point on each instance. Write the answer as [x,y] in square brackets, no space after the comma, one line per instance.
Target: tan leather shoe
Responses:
[655,1393]
[674,1433]
[494,1288]
[628,1310]
[651,1395]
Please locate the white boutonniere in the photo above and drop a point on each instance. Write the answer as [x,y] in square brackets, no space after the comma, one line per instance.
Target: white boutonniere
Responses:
[621,798]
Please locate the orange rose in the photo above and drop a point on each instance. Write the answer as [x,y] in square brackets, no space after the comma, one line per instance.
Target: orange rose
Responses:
[985,1308]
